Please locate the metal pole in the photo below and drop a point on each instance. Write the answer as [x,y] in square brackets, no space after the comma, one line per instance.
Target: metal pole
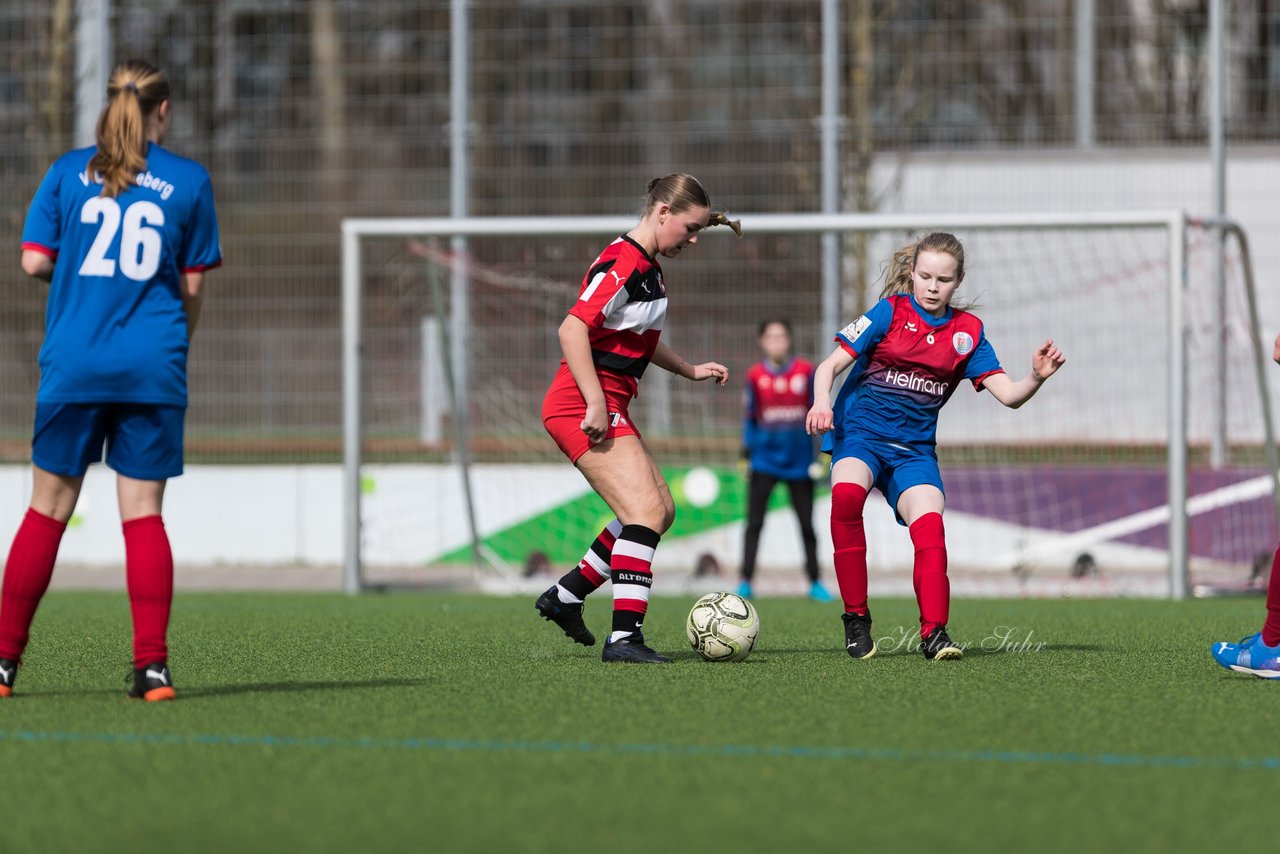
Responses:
[459,179]
[830,120]
[1177,462]
[93,66]
[1084,50]
[459,284]
[1218,158]
[351,426]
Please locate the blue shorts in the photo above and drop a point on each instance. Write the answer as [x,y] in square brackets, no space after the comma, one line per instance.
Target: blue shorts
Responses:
[894,468]
[143,440]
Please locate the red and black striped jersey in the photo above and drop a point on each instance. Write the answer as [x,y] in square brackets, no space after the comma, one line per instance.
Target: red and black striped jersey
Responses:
[623,301]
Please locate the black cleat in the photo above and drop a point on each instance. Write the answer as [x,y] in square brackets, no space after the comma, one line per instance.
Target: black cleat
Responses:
[858,641]
[8,673]
[567,616]
[631,650]
[152,683]
[939,647]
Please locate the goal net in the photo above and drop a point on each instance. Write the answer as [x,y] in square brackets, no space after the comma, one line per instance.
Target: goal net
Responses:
[1097,484]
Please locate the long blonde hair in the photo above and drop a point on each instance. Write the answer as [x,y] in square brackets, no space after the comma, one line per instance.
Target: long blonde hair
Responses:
[135,90]
[682,191]
[898,270]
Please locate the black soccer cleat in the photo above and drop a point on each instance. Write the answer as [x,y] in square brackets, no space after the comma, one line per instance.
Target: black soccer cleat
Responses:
[567,616]
[858,641]
[939,647]
[8,673]
[631,650]
[152,683]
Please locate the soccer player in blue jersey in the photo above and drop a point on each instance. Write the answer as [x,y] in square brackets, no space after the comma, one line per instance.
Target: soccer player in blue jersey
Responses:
[124,231]
[907,354]
[777,447]
[1258,654]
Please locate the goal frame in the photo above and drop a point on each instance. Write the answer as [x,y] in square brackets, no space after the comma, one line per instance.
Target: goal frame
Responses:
[1175,224]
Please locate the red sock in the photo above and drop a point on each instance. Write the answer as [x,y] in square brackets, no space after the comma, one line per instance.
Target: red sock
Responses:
[850,540]
[933,590]
[26,578]
[149,574]
[1271,628]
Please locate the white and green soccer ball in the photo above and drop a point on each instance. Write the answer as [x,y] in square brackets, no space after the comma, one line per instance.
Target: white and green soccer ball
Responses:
[723,627]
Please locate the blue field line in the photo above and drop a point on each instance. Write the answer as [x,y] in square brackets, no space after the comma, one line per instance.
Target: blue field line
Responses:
[655,748]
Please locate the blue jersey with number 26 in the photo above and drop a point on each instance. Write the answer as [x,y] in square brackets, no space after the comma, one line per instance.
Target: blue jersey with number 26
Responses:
[115,328]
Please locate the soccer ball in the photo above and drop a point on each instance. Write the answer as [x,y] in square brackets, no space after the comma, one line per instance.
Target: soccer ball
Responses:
[723,627]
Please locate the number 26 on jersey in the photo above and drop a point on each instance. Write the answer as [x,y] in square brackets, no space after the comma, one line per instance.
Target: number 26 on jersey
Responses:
[140,240]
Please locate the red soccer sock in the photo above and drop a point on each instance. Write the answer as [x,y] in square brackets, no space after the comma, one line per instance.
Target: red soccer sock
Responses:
[849,538]
[149,574]
[26,578]
[1271,628]
[933,590]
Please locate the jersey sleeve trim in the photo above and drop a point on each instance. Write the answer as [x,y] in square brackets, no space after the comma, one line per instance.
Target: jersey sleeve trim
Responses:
[982,378]
[41,248]
[200,268]
[848,348]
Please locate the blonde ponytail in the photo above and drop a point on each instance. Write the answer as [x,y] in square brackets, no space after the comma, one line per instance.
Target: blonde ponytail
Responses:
[134,91]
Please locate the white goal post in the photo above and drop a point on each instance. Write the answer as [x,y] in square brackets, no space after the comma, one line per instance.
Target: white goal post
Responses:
[1172,224]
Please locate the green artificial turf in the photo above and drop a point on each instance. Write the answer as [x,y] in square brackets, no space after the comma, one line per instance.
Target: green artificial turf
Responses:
[441,722]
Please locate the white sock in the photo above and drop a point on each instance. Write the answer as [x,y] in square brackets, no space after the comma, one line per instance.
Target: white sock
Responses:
[614,637]
[567,597]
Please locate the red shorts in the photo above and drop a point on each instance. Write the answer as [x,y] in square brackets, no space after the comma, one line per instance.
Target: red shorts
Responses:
[564,408]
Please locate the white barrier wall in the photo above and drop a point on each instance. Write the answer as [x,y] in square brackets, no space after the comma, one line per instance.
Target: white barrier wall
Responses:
[278,516]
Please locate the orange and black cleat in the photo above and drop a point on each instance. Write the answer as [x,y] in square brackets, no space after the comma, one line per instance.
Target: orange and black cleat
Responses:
[152,683]
[8,673]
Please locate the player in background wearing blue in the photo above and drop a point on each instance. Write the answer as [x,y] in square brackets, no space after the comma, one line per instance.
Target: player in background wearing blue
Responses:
[907,354]
[124,232]
[1259,653]
[776,447]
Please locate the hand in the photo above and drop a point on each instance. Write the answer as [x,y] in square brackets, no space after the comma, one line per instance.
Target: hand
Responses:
[709,370]
[819,420]
[1046,361]
[595,423]
[1275,351]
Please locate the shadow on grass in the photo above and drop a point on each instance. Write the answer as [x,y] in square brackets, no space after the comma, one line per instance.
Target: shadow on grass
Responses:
[232,690]
[296,687]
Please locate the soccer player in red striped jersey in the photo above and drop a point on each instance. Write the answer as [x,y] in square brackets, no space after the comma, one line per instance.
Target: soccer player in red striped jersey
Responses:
[609,337]
[907,354]
[1259,653]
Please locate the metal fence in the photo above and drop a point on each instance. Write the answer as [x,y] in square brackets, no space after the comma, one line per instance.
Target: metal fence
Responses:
[306,112]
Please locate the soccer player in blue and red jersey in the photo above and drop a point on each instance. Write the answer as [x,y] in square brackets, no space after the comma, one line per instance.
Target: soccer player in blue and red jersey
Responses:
[1259,653]
[124,232]
[609,337]
[777,447]
[908,354]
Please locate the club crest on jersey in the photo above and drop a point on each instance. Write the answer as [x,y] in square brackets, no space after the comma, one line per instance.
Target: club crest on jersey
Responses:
[963,342]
